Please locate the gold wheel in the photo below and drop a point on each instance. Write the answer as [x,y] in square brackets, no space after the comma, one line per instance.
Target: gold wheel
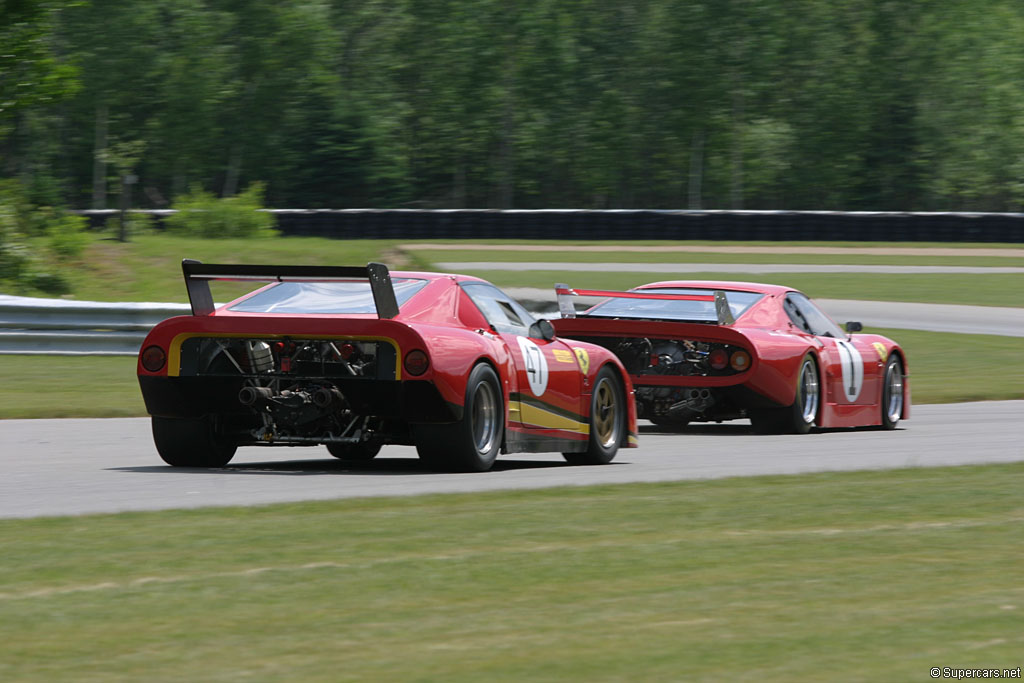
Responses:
[606,413]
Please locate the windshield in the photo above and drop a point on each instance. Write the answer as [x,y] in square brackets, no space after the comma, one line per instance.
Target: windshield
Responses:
[323,297]
[674,309]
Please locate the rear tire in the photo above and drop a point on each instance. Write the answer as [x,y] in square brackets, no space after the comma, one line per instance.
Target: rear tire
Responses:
[892,393]
[472,444]
[190,442]
[799,417]
[366,450]
[607,421]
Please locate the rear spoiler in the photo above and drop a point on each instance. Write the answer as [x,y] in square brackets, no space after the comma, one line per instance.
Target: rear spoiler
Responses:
[198,276]
[565,294]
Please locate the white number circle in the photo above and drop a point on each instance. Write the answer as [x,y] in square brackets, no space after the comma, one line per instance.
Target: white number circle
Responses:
[853,369]
[536,366]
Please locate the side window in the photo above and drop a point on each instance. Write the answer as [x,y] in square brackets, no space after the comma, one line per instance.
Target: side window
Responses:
[502,312]
[795,314]
[814,320]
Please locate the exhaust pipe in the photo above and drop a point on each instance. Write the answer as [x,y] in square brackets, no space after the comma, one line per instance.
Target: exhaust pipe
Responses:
[324,397]
[251,395]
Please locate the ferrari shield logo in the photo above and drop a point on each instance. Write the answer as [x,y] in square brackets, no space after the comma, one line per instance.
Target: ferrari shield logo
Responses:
[584,358]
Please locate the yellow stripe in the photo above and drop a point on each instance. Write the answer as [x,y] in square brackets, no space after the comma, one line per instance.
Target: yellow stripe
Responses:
[174,352]
[538,417]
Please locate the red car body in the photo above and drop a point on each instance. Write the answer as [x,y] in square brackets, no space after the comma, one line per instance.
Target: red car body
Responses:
[717,350]
[279,366]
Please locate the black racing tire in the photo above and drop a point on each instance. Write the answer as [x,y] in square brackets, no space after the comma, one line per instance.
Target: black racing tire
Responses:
[472,444]
[607,421]
[365,450]
[802,415]
[892,393]
[190,442]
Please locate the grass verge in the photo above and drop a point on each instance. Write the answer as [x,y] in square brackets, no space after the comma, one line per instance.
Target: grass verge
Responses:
[148,268]
[945,368]
[567,255]
[866,576]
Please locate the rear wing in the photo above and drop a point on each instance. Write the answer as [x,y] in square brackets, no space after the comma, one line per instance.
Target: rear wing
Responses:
[566,308]
[198,276]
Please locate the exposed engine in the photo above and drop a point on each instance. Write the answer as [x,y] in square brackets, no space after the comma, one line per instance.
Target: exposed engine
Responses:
[678,358]
[292,387]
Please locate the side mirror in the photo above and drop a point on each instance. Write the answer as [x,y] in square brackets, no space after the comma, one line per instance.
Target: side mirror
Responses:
[853,326]
[542,329]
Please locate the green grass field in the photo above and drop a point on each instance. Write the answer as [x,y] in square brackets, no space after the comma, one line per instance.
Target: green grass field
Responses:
[945,368]
[724,256]
[148,268]
[849,576]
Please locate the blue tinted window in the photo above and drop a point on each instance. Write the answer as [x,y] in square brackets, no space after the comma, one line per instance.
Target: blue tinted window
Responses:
[323,297]
[674,309]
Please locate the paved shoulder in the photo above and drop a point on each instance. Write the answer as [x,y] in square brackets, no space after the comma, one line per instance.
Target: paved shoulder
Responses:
[745,268]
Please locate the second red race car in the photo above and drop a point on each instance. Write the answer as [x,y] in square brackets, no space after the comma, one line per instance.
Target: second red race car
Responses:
[712,351]
[353,358]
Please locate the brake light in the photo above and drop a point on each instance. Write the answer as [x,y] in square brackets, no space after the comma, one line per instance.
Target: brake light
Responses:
[153,358]
[416,362]
[718,359]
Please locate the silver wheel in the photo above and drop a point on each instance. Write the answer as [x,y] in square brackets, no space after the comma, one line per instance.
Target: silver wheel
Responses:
[485,417]
[892,393]
[808,392]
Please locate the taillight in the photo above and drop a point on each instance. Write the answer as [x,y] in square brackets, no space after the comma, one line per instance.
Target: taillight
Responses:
[153,358]
[718,359]
[740,360]
[416,362]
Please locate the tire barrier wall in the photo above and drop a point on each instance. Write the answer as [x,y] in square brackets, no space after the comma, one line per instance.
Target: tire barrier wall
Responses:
[414,224]
[78,328]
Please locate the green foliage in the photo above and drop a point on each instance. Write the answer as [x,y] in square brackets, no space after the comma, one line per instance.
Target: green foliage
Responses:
[27,269]
[201,214]
[804,104]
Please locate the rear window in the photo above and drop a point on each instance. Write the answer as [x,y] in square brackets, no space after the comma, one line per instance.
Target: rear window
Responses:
[323,297]
[674,309]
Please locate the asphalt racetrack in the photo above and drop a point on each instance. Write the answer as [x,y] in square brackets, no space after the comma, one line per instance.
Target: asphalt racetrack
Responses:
[80,466]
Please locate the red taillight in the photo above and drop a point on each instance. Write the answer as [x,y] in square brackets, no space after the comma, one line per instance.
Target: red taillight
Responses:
[153,358]
[416,362]
[718,359]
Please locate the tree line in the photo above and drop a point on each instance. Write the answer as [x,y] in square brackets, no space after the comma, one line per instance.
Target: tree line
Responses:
[756,104]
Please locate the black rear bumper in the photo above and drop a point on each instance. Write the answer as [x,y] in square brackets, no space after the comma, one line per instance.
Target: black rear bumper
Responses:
[411,401]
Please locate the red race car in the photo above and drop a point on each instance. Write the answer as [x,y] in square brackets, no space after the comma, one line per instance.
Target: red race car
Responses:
[354,358]
[714,351]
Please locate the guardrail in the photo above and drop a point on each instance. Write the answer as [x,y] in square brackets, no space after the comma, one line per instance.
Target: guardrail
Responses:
[59,327]
[77,328]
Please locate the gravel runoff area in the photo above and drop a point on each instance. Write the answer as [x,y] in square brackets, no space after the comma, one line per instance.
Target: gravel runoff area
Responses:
[727,249]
